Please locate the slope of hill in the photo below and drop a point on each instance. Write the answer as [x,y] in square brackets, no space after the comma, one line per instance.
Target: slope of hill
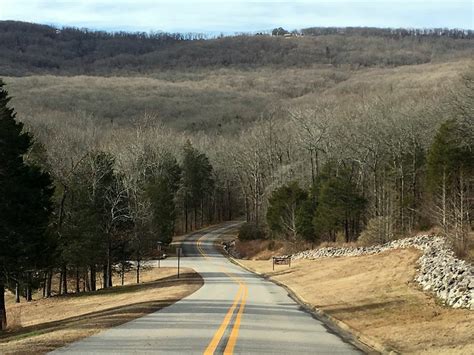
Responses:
[225,100]
[30,48]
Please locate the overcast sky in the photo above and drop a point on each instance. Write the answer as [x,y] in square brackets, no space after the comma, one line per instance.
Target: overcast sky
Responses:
[238,15]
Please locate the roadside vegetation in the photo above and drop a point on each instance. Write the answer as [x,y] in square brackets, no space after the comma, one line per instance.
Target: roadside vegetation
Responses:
[375,297]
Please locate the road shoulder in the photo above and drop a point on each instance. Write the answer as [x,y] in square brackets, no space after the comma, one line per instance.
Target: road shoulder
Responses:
[349,335]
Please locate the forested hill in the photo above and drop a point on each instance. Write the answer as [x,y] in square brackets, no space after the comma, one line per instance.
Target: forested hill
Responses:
[27,48]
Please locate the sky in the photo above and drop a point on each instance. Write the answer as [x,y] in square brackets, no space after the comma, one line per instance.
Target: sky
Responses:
[231,16]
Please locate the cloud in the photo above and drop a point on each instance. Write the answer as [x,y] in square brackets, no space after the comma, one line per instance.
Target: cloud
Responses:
[238,15]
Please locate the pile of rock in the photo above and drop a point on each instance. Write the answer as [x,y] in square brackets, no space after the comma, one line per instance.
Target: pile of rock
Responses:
[451,279]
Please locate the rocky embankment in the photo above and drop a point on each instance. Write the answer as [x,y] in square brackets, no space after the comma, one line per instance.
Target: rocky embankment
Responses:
[451,279]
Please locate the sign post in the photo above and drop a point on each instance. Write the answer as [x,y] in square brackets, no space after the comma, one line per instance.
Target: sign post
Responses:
[158,246]
[281,260]
[178,253]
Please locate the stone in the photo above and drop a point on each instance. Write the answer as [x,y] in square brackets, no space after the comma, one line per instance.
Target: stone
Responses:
[438,270]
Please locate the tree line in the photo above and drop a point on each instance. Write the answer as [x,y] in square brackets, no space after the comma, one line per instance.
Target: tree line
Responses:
[369,171]
[31,48]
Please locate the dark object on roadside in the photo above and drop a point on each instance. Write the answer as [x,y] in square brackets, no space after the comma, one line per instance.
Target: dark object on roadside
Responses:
[227,245]
[162,256]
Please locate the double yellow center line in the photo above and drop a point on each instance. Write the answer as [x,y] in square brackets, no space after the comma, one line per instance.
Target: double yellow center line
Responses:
[239,301]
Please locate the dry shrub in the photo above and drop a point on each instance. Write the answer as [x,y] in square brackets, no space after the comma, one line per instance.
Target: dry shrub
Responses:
[14,318]
[378,231]
[464,248]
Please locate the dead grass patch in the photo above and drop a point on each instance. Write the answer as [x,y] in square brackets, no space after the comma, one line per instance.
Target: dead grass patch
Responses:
[47,324]
[263,249]
[375,295]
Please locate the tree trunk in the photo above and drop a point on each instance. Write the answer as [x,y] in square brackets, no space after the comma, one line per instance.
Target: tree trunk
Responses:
[186,215]
[3,311]
[346,230]
[105,278]
[44,284]
[93,283]
[229,198]
[138,271]
[87,282]
[123,274]
[28,287]
[49,280]
[195,217]
[78,280]
[202,212]
[247,209]
[17,292]
[64,273]
[109,275]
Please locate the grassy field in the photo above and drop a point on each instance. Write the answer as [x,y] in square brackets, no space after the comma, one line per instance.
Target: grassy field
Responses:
[376,297]
[46,324]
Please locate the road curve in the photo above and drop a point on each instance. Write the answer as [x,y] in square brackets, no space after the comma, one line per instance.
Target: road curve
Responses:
[234,312]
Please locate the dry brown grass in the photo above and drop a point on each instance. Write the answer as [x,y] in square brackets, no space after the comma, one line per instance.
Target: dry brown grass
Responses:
[46,324]
[375,295]
[264,249]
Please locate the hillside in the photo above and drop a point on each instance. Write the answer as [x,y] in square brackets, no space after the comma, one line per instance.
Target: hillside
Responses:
[225,100]
[38,49]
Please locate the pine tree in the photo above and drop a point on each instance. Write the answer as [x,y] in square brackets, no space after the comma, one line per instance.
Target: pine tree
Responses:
[284,205]
[162,191]
[25,203]
[339,206]
[198,181]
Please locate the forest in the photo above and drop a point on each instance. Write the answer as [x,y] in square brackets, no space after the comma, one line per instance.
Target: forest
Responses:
[31,48]
[95,171]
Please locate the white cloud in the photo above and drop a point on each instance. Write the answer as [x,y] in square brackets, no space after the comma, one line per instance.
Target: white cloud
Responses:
[238,15]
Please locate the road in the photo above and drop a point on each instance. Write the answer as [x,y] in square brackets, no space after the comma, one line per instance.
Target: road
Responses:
[234,311]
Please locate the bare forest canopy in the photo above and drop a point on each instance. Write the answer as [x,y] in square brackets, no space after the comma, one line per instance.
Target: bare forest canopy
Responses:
[31,48]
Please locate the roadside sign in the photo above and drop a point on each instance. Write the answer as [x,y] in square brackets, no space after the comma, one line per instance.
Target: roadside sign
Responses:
[281,260]
[158,247]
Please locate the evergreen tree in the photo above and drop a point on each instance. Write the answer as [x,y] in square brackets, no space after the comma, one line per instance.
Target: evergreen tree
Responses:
[304,220]
[339,206]
[162,192]
[198,182]
[25,203]
[284,206]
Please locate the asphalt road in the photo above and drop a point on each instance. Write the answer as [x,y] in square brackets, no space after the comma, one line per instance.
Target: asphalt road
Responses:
[233,312]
